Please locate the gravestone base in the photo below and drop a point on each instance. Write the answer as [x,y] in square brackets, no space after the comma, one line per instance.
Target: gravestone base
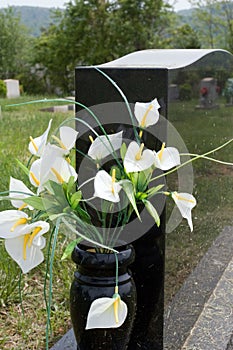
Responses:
[216,106]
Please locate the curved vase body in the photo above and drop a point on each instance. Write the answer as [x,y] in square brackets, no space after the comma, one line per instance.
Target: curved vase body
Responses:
[95,278]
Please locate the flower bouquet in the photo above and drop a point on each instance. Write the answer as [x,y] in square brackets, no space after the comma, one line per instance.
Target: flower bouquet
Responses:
[126,177]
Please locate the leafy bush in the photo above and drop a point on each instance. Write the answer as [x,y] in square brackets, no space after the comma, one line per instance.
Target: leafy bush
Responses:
[2,89]
[185,92]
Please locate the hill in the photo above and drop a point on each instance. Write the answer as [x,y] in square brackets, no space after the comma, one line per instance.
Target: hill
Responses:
[34,17]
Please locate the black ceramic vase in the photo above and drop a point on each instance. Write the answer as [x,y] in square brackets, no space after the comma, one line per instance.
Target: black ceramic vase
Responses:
[95,278]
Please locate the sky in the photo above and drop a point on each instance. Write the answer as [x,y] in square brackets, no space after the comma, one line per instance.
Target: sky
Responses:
[179,4]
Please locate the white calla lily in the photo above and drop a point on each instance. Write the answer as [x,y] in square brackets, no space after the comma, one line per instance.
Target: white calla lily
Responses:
[107,313]
[106,186]
[185,203]
[147,113]
[55,167]
[35,173]
[25,248]
[12,222]
[19,190]
[67,139]
[51,166]
[136,159]
[52,154]
[37,145]
[61,171]
[167,158]
[102,146]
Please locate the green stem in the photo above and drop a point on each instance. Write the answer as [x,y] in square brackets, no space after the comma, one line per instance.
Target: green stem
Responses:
[116,257]
[207,158]
[20,292]
[125,100]
[191,160]
[12,198]
[29,161]
[48,324]
[51,280]
[85,237]
[76,118]
[86,182]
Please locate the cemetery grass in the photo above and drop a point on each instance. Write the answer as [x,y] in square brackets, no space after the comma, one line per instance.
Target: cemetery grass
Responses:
[212,188]
[202,130]
[23,324]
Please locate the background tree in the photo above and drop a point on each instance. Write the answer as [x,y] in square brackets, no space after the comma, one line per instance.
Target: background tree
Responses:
[206,21]
[81,37]
[226,21]
[14,44]
[136,25]
[97,31]
[184,37]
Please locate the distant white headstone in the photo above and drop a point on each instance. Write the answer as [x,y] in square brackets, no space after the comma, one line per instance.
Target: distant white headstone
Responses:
[12,88]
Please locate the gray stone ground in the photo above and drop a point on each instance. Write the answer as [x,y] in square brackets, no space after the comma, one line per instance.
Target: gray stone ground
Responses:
[200,316]
[67,342]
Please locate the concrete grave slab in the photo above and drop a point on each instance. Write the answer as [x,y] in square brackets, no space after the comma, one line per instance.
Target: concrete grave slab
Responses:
[200,316]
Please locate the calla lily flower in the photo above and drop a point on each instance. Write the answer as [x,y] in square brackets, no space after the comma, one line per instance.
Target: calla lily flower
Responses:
[106,186]
[101,146]
[60,171]
[147,113]
[167,158]
[24,246]
[52,154]
[107,313]
[136,159]
[17,186]
[54,166]
[185,203]
[37,145]
[51,166]
[67,139]
[12,222]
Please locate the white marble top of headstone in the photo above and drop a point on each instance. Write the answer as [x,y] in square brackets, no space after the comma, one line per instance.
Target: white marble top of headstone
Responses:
[162,58]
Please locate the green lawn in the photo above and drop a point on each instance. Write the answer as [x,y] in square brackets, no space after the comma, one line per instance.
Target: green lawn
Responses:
[201,130]
[27,331]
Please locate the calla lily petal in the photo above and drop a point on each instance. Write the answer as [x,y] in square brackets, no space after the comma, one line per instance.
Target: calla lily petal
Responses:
[105,187]
[167,158]
[101,146]
[101,313]
[185,203]
[14,247]
[37,145]
[51,166]
[26,248]
[18,186]
[51,153]
[12,222]
[132,163]
[61,171]
[147,113]
[34,173]
[68,137]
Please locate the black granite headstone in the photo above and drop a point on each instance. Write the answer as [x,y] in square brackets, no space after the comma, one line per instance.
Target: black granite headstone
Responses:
[142,76]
